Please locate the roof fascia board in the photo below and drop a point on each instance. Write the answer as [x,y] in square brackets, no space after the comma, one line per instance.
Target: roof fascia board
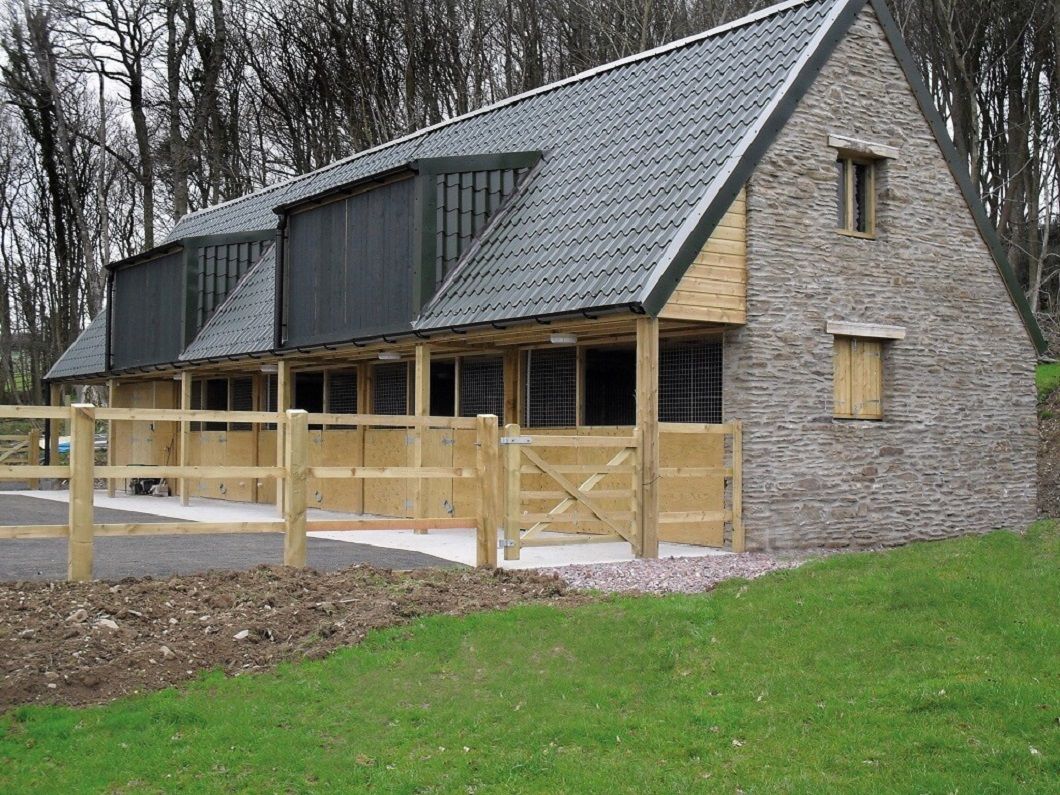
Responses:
[345,189]
[960,174]
[145,256]
[736,23]
[498,161]
[703,220]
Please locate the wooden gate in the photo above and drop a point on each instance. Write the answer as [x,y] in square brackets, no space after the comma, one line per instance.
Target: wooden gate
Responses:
[591,501]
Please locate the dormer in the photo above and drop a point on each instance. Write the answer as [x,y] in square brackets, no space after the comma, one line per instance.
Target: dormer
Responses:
[364,258]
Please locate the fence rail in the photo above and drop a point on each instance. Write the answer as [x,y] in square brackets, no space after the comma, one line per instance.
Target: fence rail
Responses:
[603,492]
[82,473]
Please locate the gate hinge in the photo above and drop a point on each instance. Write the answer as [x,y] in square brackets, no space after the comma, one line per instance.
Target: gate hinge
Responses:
[515,440]
[505,543]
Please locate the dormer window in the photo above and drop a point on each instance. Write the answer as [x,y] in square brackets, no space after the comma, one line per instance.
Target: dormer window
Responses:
[856,196]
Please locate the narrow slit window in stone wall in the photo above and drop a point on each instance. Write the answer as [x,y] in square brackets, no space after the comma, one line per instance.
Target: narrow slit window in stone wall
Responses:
[856,196]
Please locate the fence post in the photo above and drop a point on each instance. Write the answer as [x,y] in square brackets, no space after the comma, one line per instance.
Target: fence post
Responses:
[296,446]
[513,462]
[489,462]
[33,454]
[82,462]
[112,402]
[648,422]
[738,539]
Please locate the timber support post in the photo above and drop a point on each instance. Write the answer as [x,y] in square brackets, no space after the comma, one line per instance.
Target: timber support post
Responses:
[82,463]
[513,462]
[52,427]
[489,461]
[112,402]
[295,463]
[33,454]
[648,423]
[283,403]
[421,408]
[738,538]
[185,434]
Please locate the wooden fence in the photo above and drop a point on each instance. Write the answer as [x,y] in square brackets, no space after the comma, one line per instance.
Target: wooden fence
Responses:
[82,472]
[599,495]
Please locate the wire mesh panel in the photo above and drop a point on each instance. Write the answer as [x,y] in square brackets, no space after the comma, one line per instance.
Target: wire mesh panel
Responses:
[196,402]
[241,398]
[482,386]
[342,393]
[269,401]
[690,381]
[551,388]
[390,391]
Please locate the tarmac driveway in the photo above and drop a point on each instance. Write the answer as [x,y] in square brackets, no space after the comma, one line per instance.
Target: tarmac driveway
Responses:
[162,556]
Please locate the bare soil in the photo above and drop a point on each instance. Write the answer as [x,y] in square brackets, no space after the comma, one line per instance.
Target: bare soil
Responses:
[82,643]
[1049,455]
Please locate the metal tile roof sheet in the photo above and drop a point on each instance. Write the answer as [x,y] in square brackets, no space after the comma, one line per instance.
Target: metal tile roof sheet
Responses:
[87,356]
[631,151]
[244,322]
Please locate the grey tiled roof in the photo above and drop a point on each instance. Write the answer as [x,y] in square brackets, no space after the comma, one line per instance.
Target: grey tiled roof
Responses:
[244,322]
[87,356]
[631,153]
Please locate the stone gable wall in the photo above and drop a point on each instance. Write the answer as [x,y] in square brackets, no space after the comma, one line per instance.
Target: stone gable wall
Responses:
[955,452]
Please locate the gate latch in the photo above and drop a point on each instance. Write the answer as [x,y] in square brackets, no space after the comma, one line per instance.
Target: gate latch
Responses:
[505,543]
[515,440]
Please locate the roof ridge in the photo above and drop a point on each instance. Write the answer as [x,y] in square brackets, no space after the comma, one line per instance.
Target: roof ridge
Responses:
[662,49]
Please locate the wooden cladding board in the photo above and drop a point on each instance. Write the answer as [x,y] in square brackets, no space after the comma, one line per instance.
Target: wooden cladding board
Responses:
[692,494]
[714,288]
[146,443]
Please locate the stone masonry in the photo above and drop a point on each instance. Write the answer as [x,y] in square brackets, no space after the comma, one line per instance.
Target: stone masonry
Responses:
[955,452]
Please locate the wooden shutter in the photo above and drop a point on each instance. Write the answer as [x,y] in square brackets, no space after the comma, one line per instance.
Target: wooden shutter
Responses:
[841,365]
[858,373]
[866,382]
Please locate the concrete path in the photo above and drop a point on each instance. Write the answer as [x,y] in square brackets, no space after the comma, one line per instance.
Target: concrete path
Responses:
[161,556]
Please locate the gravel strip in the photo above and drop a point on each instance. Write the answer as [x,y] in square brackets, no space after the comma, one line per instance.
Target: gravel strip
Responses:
[671,575]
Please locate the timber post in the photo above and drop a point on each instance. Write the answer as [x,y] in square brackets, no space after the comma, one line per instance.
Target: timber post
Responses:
[738,536]
[648,423]
[421,408]
[513,462]
[489,460]
[33,455]
[82,463]
[283,403]
[295,462]
[112,391]
[185,434]
[52,427]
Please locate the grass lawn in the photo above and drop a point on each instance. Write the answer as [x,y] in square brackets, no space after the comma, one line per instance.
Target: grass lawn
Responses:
[932,668]
[1047,378]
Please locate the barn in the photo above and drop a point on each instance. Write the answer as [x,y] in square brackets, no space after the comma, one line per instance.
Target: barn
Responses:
[754,250]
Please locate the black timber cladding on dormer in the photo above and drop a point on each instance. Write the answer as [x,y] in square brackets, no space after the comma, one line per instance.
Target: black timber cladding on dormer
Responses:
[362,259]
[145,322]
[160,299]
